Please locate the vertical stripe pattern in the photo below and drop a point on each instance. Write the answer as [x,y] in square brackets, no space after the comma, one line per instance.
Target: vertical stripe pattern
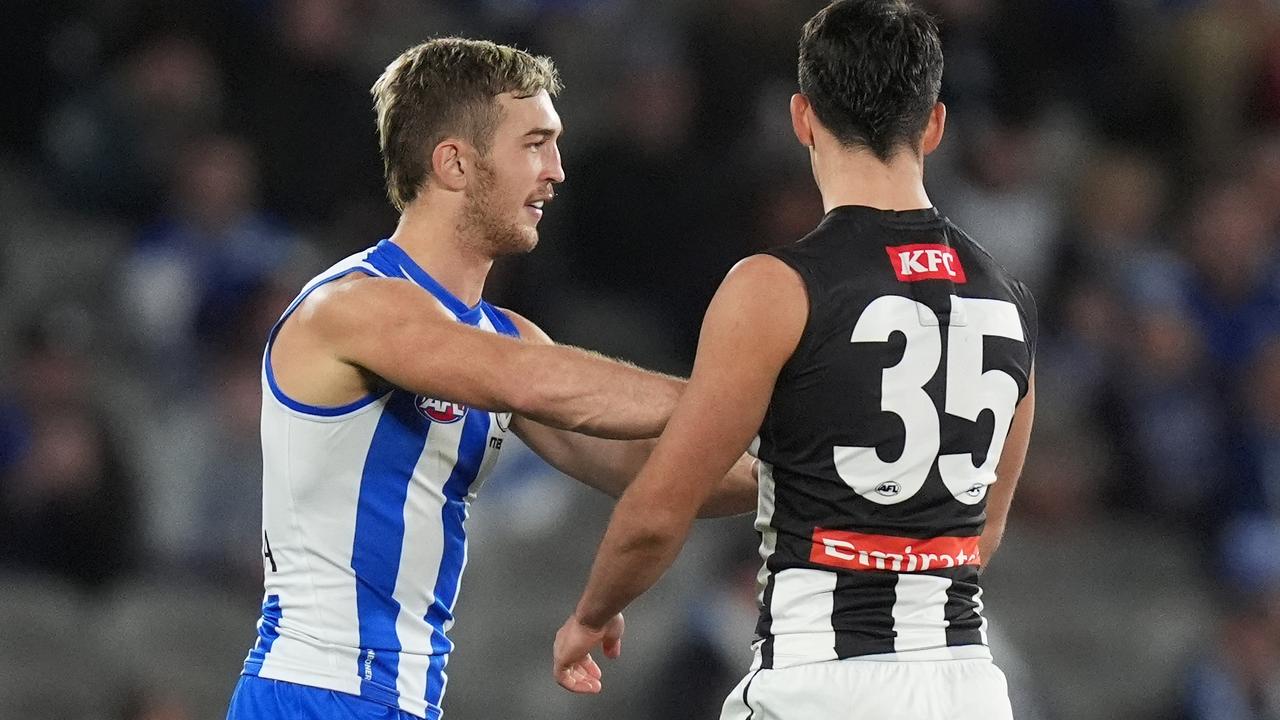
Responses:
[802,605]
[475,435]
[865,600]
[397,445]
[919,620]
[965,623]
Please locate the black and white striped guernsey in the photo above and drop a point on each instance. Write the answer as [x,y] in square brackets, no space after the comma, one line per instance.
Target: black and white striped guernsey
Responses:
[881,439]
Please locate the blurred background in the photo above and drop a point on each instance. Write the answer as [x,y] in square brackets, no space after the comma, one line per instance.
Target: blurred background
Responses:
[172,171]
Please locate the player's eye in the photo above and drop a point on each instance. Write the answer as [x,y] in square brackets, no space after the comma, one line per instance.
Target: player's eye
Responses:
[535,146]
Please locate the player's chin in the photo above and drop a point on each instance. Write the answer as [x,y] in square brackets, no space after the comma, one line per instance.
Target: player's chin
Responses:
[529,235]
[520,240]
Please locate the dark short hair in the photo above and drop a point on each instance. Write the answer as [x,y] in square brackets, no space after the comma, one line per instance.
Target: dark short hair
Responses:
[872,70]
[447,86]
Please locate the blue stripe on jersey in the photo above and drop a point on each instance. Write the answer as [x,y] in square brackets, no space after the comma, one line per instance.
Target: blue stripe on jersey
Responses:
[394,261]
[397,444]
[279,394]
[500,321]
[471,449]
[268,631]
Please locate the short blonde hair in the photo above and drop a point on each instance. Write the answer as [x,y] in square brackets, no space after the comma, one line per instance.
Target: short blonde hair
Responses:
[447,87]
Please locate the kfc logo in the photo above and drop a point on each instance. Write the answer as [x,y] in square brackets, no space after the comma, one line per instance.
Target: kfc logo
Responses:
[912,263]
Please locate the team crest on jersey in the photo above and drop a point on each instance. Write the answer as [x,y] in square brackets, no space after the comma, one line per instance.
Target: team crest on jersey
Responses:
[441,411]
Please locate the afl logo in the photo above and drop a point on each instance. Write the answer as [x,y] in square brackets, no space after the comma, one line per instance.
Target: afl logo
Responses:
[441,411]
[888,489]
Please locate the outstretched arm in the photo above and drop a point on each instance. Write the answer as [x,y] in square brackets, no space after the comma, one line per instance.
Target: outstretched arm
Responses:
[610,465]
[750,331]
[395,331]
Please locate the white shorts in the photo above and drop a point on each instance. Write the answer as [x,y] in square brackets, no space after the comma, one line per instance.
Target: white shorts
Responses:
[858,689]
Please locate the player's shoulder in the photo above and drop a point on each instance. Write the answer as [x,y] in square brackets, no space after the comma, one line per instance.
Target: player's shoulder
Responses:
[761,289]
[361,299]
[526,328]
[763,278]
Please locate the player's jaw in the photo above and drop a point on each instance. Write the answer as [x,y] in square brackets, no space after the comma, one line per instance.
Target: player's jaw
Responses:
[503,221]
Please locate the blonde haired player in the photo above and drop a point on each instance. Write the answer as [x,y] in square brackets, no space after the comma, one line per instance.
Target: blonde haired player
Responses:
[390,386]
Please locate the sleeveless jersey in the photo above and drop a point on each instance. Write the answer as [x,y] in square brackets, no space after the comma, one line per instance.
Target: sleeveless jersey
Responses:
[364,509]
[881,438]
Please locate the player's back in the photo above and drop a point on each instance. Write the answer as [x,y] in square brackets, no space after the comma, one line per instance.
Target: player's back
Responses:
[881,438]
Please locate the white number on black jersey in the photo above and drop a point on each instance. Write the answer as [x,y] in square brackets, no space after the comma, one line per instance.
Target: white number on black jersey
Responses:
[969,392]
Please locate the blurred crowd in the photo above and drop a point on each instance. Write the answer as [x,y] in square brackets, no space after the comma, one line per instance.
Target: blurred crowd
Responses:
[170,174]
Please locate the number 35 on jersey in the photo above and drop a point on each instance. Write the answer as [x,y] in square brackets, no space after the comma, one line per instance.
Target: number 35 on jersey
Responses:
[969,391]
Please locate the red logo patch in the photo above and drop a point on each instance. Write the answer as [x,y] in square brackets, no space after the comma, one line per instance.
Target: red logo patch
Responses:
[441,411]
[912,263]
[862,551]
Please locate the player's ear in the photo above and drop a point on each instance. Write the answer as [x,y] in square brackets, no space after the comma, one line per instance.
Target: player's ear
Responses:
[933,129]
[800,119]
[450,164]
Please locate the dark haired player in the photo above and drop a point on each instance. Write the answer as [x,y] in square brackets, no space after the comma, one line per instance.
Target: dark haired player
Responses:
[883,365]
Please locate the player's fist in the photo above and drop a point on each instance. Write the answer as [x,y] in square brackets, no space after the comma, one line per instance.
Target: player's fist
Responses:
[572,665]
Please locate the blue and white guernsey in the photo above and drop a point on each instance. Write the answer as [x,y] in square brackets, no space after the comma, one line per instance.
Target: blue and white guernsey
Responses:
[364,509]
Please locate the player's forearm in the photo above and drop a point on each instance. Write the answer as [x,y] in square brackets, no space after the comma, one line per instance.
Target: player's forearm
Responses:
[990,541]
[605,465]
[610,466]
[636,551]
[736,493]
[576,390]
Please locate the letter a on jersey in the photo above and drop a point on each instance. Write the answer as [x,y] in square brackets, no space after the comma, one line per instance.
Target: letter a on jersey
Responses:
[912,263]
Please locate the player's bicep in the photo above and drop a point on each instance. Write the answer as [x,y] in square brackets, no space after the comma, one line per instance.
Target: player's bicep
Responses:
[400,334]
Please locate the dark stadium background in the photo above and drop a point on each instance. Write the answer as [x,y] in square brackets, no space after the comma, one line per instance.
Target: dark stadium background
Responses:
[171,172]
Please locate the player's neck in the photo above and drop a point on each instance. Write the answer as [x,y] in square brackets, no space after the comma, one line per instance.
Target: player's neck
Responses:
[431,237]
[860,178]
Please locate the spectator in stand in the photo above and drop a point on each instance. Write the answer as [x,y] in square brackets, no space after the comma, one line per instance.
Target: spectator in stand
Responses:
[1006,201]
[1165,424]
[1234,290]
[1239,677]
[302,105]
[1113,230]
[66,497]
[194,271]
[1260,483]
[112,145]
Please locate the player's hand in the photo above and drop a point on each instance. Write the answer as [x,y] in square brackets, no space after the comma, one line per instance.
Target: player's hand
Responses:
[573,667]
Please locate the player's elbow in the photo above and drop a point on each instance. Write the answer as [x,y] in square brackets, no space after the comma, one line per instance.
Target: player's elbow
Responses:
[664,525]
[651,540]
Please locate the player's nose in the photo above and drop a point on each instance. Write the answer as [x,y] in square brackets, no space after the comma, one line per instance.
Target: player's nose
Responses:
[554,169]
